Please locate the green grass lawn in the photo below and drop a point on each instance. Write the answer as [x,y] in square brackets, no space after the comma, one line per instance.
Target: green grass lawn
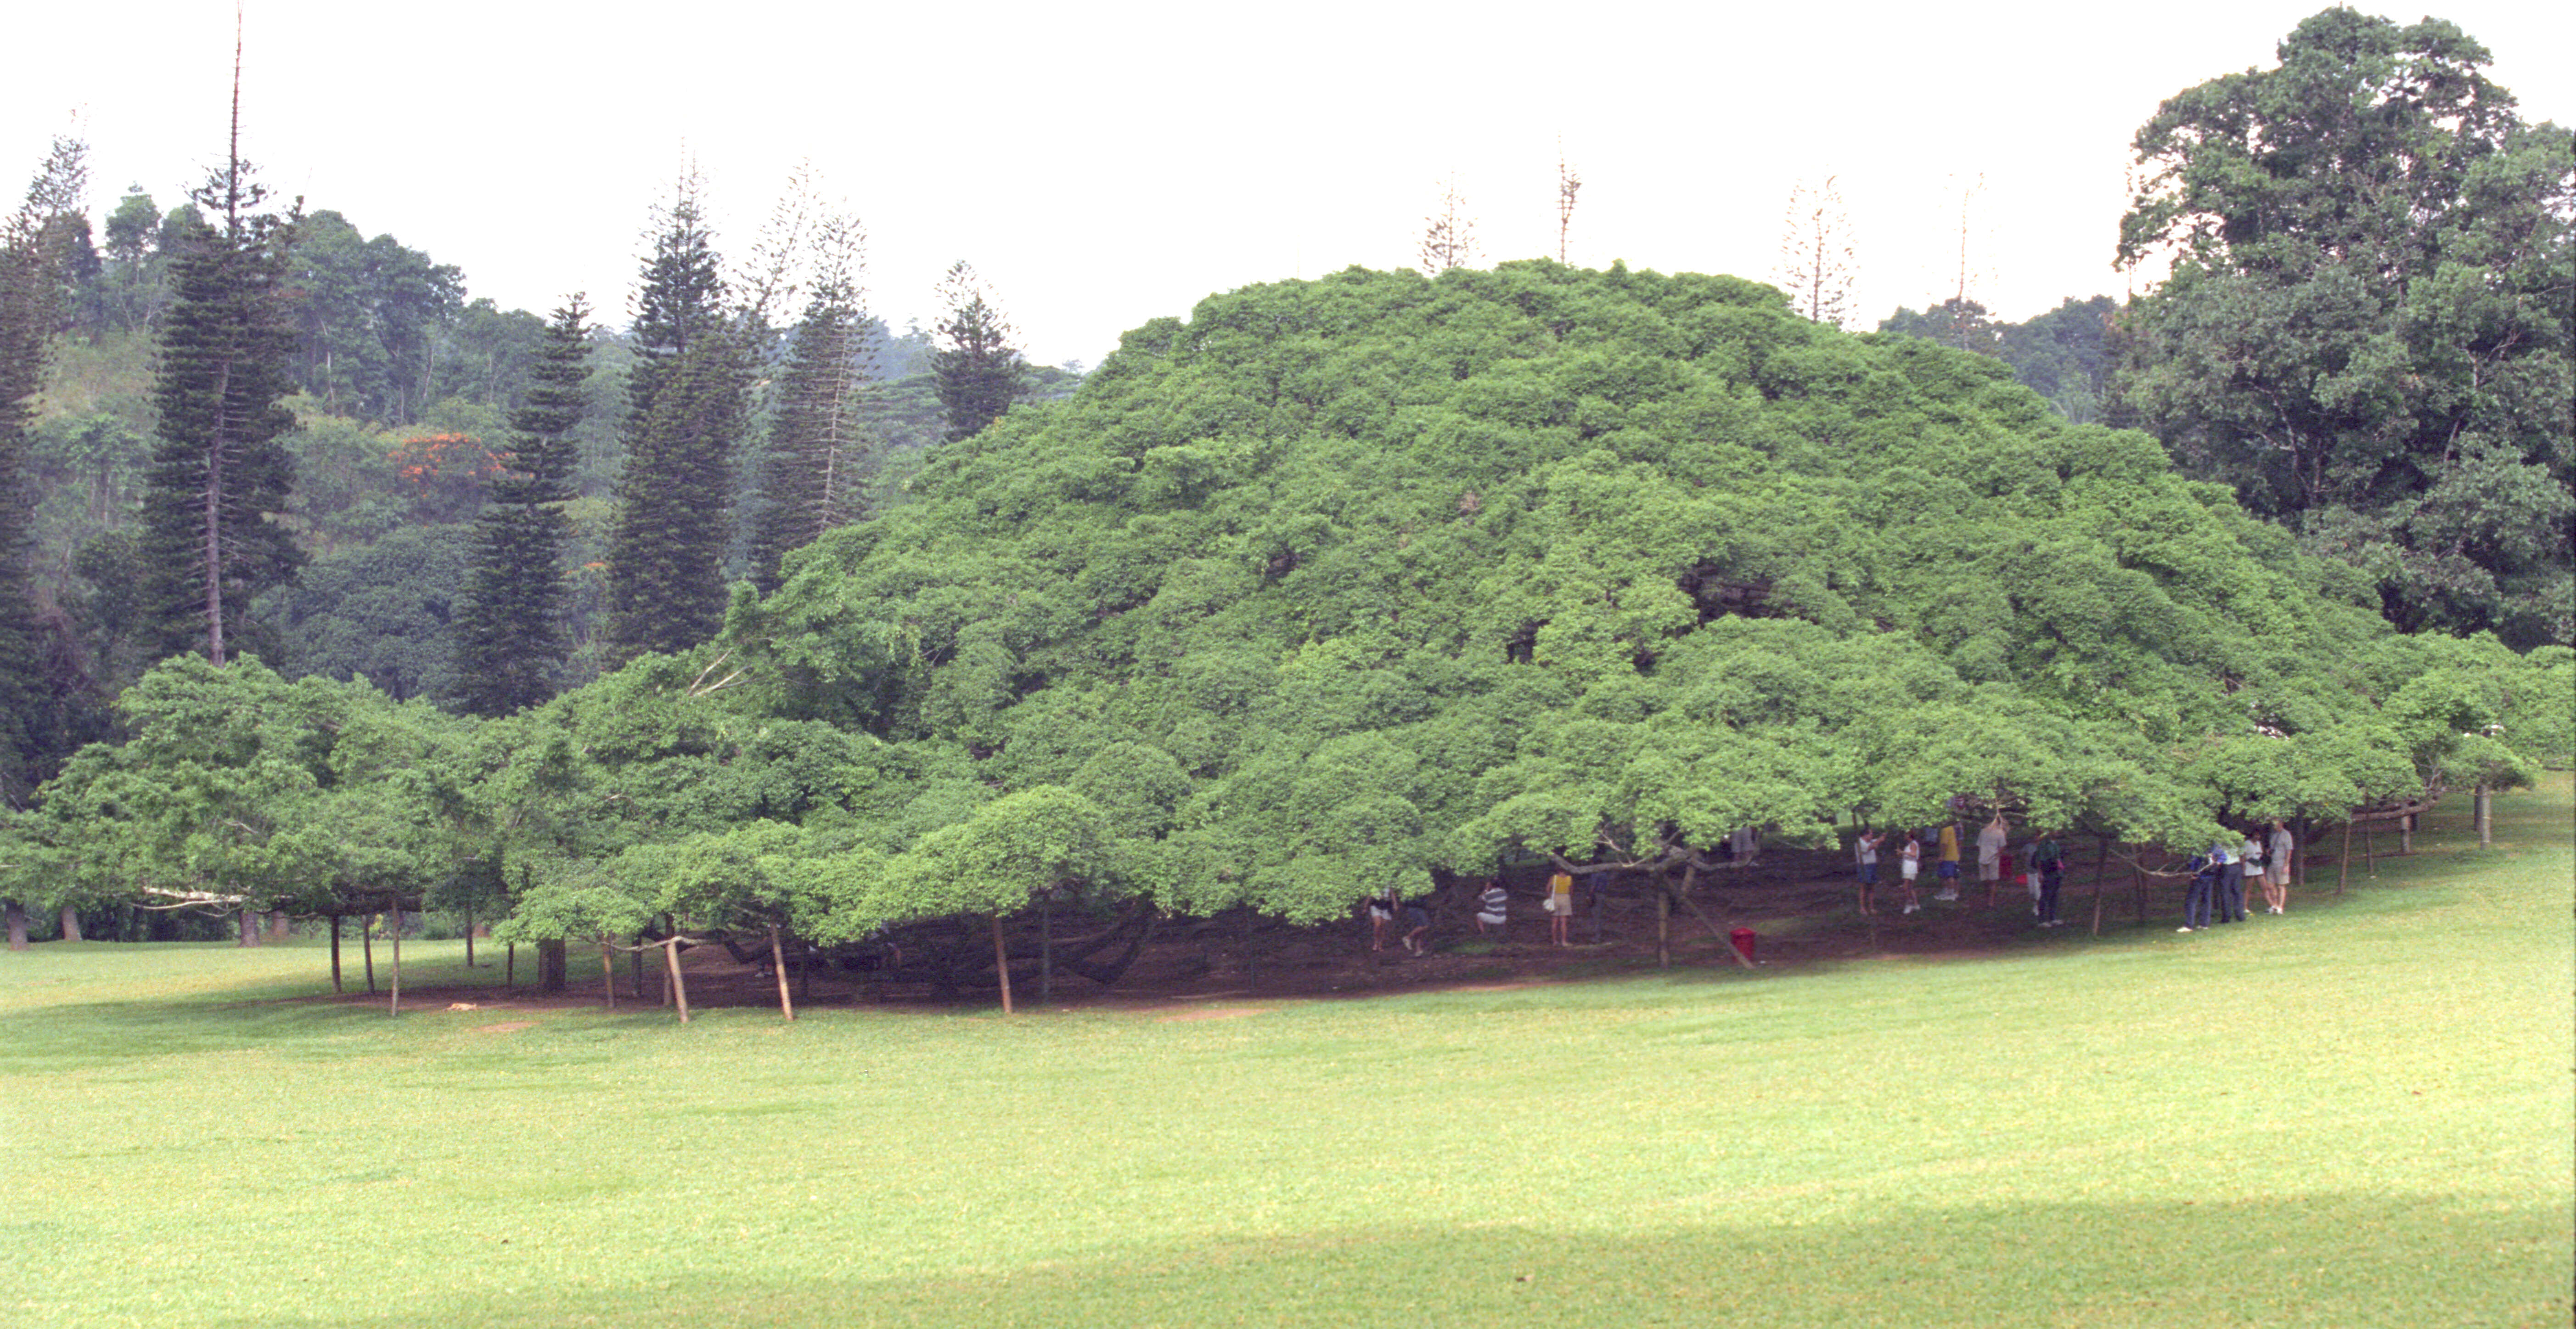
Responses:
[2358,1114]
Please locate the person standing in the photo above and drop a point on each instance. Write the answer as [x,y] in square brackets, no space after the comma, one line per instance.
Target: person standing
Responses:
[1493,907]
[2249,862]
[1949,862]
[2049,861]
[1990,855]
[1909,862]
[2277,858]
[1381,911]
[1417,922]
[1867,848]
[2206,869]
[1560,906]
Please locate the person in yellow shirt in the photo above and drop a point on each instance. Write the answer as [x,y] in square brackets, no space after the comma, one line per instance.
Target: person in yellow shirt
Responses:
[1949,862]
[1560,906]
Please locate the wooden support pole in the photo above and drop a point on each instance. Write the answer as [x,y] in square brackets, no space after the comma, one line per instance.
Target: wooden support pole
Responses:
[679,986]
[1002,963]
[2369,852]
[469,938]
[335,954]
[2139,874]
[608,972]
[367,949]
[1046,946]
[510,966]
[393,1004]
[778,968]
[1690,879]
[2101,880]
[2343,862]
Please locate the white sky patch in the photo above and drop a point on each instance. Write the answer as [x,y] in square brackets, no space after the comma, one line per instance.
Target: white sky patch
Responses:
[1108,164]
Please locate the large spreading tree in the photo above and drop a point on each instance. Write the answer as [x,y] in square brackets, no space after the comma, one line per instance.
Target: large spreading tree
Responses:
[2368,327]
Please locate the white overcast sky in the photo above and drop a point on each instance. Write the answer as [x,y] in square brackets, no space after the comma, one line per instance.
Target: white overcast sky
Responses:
[1108,163]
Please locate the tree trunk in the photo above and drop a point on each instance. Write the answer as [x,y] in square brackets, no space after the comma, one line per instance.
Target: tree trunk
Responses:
[2298,875]
[367,949]
[249,927]
[2343,862]
[608,972]
[1002,963]
[778,967]
[469,938]
[2101,881]
[2486,826]
[636,968]
[552,965]
[281,929]
[1046,948]
[17,926]
[335,954]
[1663,921]
[679,986]
[510,965]
[393,1003]
[71,923]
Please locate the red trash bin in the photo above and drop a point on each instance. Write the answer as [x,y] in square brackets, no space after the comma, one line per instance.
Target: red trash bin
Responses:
[1743,939]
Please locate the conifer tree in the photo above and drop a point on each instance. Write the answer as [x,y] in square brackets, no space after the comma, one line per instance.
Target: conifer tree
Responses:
[218,472]
[32,265]
[510,637]
[977,372]
[689,403]
[810,480]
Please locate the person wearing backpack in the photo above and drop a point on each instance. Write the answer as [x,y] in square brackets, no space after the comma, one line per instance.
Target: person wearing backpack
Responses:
[2049,861]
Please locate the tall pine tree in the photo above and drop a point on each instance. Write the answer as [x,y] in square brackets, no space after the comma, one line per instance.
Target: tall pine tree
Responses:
[976,370]
[219,475]
[817,451]
[34,724]
[689,397]
[510,637]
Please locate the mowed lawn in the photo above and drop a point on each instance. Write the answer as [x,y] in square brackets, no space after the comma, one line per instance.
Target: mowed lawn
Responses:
[2358,1114]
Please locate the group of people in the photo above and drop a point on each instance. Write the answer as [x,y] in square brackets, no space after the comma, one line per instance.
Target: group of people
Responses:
[2220,878]
[1493,912]
[2041,862]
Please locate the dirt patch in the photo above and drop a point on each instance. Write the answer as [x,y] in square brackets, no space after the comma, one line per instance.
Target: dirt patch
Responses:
[1226,1013]
[505,1027]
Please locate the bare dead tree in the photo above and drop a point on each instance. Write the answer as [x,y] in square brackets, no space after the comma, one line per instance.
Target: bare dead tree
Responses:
[1448,234]
[1817,262]
[1567,185]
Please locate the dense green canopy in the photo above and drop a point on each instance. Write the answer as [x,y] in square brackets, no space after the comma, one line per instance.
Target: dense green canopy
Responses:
[1373,575]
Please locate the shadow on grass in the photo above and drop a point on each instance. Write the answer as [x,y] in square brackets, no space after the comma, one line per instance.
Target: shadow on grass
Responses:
[2335,1260]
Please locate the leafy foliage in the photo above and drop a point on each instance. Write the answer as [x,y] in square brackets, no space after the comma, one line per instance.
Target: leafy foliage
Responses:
[2368,326]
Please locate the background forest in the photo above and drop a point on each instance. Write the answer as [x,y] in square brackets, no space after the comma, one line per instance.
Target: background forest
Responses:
[747,612]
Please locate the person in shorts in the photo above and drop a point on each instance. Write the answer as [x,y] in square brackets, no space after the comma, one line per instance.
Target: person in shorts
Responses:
[1949,862]
[1560,906]
[1909,861]
[1990,855]
[1381,911]
[1866,847]
[1417,922]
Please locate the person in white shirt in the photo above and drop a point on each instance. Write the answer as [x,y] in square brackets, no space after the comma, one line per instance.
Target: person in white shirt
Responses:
[1990,855]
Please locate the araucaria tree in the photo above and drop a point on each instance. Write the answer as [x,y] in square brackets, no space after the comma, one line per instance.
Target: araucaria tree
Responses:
[219,474]
[1816,261]
[510,637]
[2370,315]
[32,263]
[810,477]
[689,404]
[977,371]
[1449,234]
